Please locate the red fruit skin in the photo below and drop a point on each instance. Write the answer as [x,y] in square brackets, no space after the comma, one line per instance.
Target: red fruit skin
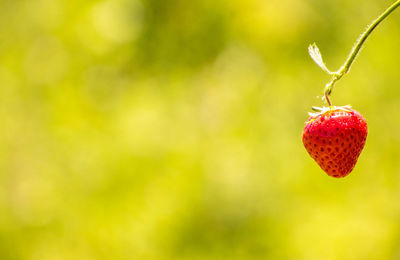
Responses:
[335,139]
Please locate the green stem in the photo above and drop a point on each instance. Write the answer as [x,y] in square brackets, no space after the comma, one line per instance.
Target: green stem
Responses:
[356,49]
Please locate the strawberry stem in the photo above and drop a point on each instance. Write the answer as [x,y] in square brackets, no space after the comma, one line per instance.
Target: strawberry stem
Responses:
[354,52]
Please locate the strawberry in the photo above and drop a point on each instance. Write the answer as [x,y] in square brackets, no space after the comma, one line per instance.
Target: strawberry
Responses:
[335,137]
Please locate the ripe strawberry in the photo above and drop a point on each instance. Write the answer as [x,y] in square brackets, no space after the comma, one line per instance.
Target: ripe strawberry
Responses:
[334,138]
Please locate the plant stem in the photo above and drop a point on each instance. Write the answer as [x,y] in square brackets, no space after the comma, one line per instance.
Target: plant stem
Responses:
[356,49]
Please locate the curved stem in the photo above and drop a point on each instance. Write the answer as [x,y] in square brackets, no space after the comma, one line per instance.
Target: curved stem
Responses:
[365,35]
[356,49]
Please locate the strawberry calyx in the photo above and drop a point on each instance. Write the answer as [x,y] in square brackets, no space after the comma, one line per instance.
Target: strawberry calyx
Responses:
[324,110]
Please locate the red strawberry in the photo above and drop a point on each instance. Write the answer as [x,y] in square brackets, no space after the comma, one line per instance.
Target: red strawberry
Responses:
[335,138]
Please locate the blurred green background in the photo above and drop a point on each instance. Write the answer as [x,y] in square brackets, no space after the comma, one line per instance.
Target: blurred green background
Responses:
[171,129]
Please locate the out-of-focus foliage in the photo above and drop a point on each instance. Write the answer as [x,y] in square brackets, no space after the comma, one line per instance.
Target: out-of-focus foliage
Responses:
[171,129]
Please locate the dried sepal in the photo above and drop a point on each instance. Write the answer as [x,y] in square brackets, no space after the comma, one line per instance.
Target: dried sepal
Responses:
[315,54]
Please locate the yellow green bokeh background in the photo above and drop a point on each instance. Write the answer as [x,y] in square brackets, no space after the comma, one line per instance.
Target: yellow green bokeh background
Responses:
[171,129]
